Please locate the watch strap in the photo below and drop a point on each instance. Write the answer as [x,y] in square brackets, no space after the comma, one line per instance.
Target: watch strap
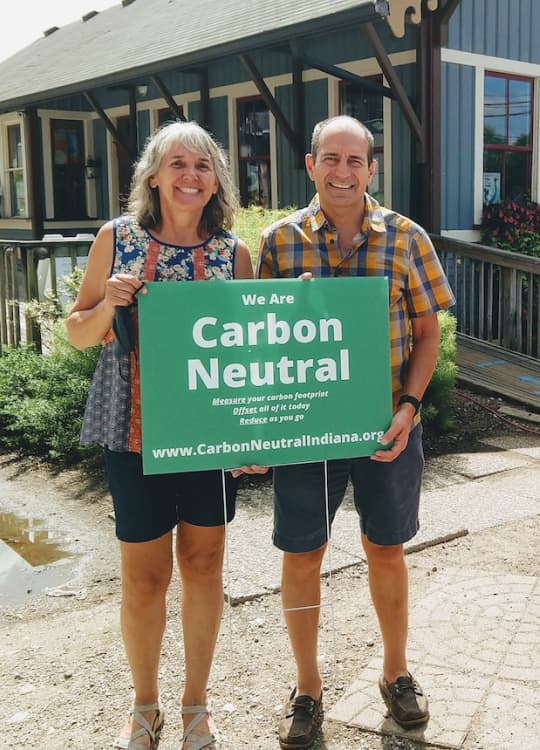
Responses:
[407,399]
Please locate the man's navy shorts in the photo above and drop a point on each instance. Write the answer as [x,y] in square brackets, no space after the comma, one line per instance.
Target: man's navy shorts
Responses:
[146,507]
[386,496]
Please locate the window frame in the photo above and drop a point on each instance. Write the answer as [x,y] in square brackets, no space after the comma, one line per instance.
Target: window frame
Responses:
[508,148]
[7,209]
[381,195]
[266,159]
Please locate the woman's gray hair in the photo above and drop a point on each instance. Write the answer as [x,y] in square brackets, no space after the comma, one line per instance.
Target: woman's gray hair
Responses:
[144,204]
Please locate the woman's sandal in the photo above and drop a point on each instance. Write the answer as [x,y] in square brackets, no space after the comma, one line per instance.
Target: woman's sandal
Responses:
[152,730]
[192,741]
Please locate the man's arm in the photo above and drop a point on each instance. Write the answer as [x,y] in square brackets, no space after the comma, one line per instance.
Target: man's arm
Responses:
[422,362]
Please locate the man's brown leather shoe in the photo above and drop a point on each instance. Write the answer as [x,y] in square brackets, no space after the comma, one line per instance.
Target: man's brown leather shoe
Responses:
[405,701]
[300,721]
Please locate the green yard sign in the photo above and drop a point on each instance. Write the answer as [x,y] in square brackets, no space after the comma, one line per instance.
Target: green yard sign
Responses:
[263,372]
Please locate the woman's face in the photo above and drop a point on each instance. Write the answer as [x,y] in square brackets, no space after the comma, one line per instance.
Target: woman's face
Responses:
[186,180]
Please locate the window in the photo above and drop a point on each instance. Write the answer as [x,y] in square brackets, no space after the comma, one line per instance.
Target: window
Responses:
[367,106]
[254,152]
[508,110]
[16,203]
[166,115]
[67,140]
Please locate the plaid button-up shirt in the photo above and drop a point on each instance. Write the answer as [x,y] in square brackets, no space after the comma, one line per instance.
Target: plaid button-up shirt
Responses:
[388,244]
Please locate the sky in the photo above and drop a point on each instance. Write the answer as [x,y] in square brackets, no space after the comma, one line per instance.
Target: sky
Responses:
[28,19]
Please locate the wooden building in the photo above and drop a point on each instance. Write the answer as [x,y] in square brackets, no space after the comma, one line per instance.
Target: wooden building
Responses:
[448,88]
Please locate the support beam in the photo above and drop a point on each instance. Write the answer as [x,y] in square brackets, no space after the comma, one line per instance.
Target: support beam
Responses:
[109,125]
[258,80]
[396,86]
[166,94]
[310,61]
[36,208]
[298,111]
[428,55]
[133,128]
[204,92]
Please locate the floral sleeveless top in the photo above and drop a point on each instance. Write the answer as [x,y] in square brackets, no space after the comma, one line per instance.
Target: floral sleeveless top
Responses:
[112,414]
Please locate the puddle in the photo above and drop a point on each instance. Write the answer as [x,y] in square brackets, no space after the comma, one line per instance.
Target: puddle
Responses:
[32,559]
[31,539]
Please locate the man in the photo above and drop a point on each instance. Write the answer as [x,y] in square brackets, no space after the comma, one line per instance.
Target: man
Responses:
[344,232]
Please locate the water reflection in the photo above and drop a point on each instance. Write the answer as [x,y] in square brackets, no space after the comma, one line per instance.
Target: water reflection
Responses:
[31,539]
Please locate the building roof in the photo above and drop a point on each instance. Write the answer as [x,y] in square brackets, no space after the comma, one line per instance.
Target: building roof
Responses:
[149,36]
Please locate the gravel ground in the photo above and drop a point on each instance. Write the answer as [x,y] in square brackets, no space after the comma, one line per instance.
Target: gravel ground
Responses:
[65,680]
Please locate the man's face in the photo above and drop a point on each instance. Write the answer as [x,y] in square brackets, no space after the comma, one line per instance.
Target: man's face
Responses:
[340,171]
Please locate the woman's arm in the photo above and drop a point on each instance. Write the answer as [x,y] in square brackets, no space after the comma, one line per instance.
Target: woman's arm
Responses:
[90,318]
[243,267]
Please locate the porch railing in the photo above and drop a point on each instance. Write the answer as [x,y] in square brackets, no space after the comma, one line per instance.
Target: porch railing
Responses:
[497,294]
[28,270]
[497,291]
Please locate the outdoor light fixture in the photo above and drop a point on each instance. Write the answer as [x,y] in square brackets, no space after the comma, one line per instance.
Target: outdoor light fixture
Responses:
[92,168]
[142,90]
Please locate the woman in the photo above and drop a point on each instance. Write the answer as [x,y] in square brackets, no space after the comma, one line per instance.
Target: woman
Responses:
[181,205]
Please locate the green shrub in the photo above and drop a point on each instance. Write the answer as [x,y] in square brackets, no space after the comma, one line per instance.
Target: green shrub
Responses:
[251,221]
[42,400]
[436,410]
[42,396]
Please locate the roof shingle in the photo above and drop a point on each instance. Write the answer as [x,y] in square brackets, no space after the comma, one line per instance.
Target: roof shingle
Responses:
[151,35]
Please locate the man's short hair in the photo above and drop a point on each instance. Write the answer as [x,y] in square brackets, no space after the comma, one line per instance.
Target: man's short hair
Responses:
[323,124]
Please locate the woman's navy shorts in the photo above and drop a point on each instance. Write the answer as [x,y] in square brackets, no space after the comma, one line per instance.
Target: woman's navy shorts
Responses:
[146,507]
[386,496]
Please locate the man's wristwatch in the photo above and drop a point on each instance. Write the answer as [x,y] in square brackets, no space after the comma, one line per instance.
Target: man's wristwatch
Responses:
[406,399]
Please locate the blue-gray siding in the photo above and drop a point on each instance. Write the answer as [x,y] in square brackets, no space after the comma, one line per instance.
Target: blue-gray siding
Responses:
[499,28]
[294,186]
[402,166]
[457,146]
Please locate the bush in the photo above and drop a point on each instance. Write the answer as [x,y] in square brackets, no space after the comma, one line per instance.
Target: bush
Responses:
[251,221]
[512,225]
[436,410]
[42,396]
[42,400]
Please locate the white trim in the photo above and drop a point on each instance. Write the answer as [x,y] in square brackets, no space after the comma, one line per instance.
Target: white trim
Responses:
[273,157]
[65,114]
[333,96]
[535,171]
[75,224]
[13,223]
[478,174]
[232,146]
[496,64]
[47,163]
[112,171]
[465,235]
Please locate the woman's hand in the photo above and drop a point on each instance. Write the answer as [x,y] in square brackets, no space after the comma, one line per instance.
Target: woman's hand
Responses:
[121,288]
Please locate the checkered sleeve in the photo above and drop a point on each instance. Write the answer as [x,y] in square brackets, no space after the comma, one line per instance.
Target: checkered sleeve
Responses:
[266,259]
[428,289]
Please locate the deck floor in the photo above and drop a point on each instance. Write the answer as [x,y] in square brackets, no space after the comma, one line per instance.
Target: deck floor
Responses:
[498,370]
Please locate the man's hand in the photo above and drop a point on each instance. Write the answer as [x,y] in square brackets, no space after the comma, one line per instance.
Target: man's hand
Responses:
[254,469]
[398,432]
